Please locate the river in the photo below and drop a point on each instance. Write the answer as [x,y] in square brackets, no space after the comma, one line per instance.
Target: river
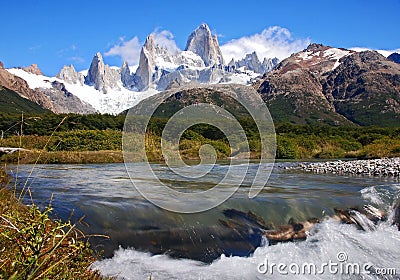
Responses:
[105,196]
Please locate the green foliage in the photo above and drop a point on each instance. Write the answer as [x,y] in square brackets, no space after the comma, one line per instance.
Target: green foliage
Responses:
[286,148]
[35,247]
[383,147]
[192,135]
[45,124]
[11,102]
[79,133]
[222,149]
[370,111]
[86,140]
[75,140]
[254,145]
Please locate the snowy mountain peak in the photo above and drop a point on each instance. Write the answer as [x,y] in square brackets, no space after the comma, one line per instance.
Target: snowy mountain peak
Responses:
[204,26]
[95,76]
[101,76]
[144,73]
[251,63]
[127,78]
[204,44]
[69,74]
[112,89]
[318,55]
[149,44]
[34,69]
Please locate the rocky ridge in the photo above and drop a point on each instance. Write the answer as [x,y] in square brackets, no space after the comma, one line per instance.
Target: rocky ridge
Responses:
[205,45]
[34,69]
[20,86]
[395,57]
[331,85]
[252,63]
[111,89]
[69,75]
[54,97]
[201,62]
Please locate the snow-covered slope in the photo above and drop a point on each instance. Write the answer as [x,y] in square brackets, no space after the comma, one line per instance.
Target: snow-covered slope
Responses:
[321,56]
[111,89]
[114,101]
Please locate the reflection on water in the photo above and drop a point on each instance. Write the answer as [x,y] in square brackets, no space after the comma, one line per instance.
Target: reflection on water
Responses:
[104,194]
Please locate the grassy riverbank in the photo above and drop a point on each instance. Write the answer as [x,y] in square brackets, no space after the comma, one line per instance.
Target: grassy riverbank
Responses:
[106,146]
[98,139]
[33,246]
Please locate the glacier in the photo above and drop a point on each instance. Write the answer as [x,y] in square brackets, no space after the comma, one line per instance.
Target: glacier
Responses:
[111,89]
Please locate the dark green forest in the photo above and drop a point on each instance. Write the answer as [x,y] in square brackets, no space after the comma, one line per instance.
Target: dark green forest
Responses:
[97,132]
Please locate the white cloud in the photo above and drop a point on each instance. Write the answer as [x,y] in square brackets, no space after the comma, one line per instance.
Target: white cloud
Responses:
[67,51]
[272,42]
[128,50]
[165,39]
[77,59]
[385,53]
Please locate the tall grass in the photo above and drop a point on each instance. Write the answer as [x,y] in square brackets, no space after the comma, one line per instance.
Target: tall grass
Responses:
[34,246]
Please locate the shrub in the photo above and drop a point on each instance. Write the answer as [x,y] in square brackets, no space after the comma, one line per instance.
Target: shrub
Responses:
[286,148]
[35,247]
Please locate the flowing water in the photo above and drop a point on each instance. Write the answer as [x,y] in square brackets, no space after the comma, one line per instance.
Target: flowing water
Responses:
[104,195]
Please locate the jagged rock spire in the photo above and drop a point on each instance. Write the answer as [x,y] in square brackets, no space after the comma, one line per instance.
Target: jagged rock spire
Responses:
[145,70]
[69,74]
[101,76]
[126,77]
[96,72]
[203,43]
[34,69]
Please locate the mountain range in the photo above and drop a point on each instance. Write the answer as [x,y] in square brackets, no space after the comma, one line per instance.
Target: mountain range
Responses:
[320,84]
[336,86]
[110,89]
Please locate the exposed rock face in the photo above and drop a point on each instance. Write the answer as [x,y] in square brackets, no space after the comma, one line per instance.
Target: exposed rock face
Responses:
[102,76]
[186,76]
[252,63]
[188,58]
[12,102]
[1,65]
[324,84]
[65,102]
[159,68]
[34,69]
[69,74]
[218,95]
[146,67]
[365,88]
[296,96]
[395,57]
[316,58]
[21,87]
[203,43]
[57,99]
[269,64]
[127,78]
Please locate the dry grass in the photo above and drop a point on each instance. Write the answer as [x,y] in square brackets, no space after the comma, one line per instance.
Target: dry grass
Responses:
[31,157]
[33,246]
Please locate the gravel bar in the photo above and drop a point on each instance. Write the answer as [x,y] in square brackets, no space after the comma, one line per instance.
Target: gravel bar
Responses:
[389,167]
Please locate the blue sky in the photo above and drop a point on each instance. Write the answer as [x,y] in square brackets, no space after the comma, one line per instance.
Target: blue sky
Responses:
[57,33]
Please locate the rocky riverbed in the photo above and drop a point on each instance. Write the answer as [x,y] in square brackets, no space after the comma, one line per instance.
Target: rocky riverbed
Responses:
[373,167]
